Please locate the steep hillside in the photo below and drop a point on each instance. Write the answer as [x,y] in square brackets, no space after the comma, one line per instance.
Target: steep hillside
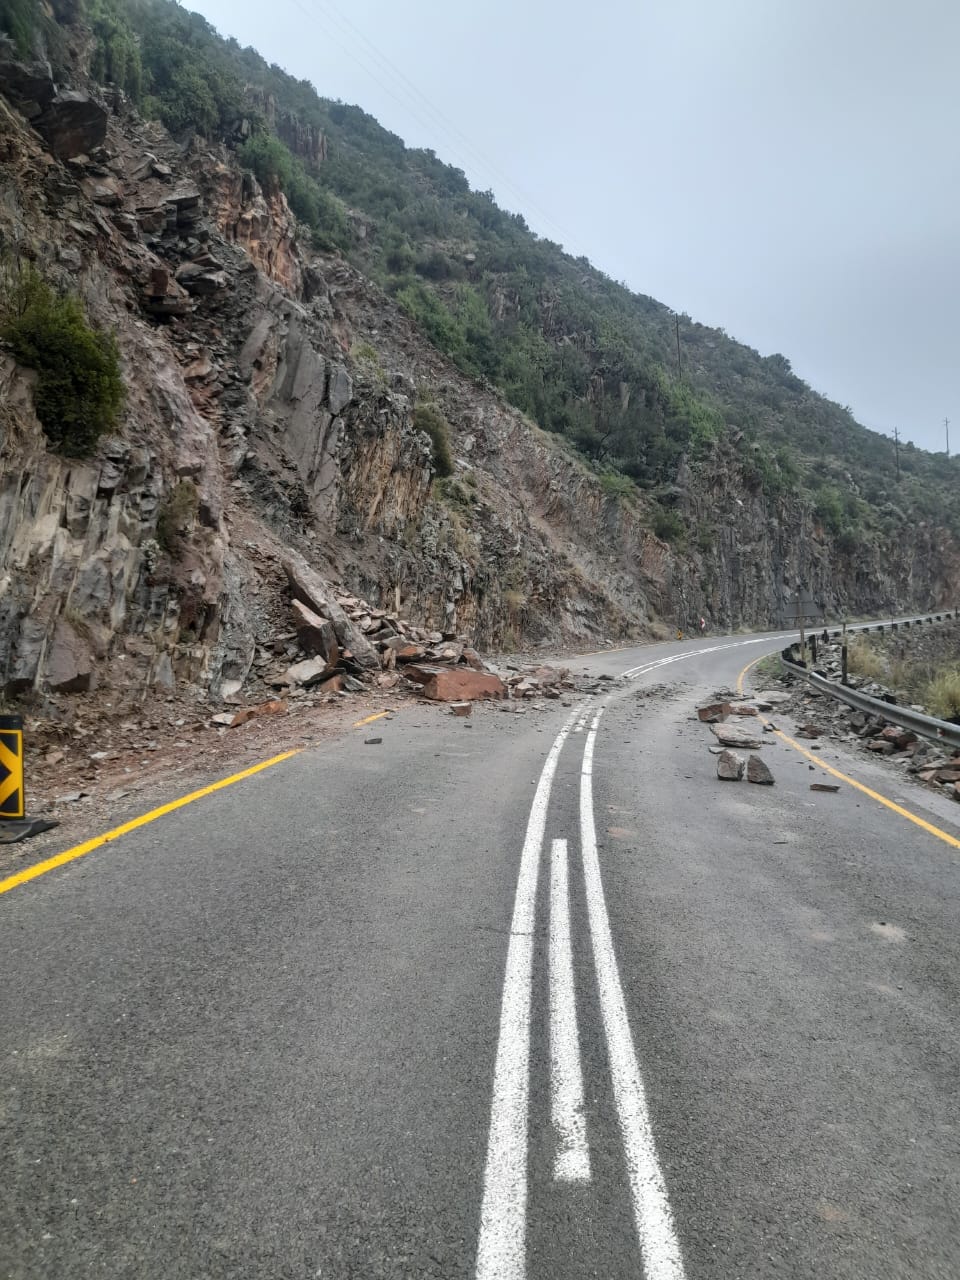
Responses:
[636,391]
[289,389]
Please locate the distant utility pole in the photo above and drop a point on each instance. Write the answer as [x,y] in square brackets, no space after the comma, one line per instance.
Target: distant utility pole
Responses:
[679,365]
[946,427]
[896,445]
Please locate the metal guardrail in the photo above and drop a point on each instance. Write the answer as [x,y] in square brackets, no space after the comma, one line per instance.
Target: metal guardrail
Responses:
[942,731]
[894,624]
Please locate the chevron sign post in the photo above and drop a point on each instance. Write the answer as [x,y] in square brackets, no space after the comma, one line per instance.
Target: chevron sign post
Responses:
[14,824]
[11,768]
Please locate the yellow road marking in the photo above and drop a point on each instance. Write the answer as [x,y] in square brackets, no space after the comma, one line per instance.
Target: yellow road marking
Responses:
[874,795]
[370,719]
[747,668]
[78,851]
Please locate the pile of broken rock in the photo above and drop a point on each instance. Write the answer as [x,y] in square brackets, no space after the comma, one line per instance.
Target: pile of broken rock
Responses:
[343,645]
[820,716]
[731,725]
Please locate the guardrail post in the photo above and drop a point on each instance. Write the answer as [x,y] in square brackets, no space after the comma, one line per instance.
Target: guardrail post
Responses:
[843,655]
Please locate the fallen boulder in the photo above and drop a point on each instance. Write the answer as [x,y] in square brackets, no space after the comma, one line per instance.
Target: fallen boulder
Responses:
[307,586]
[72,124]
[309,672]
[456,684]
[714,712]
[316,635]
[758,772]
[729,766]
[736,735]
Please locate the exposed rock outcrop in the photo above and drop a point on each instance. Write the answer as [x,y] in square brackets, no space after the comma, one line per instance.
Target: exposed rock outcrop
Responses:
[270,436]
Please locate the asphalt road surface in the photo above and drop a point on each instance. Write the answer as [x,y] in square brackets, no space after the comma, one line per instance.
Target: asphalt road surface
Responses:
[523,996]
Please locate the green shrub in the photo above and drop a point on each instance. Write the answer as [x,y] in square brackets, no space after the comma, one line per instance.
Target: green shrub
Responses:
[864,660]
[666,524]
[18,19]
[428,418]
[276,167]
[176,517]
[942,695]
[617,485]
[80,391]
[116,56]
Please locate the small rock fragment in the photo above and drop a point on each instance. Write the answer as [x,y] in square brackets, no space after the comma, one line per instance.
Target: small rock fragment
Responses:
[757,771]
[823,786]
[729,766]
[372,742]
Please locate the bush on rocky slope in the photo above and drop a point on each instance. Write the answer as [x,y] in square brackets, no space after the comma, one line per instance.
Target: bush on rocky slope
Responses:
[80,391]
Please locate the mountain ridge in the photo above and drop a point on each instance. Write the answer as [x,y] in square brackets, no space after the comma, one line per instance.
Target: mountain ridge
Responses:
[282,395]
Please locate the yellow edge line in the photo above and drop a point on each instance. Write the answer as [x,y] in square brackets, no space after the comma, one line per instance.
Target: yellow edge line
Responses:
[370,719]
[78,851]
[747,668]
[874,795]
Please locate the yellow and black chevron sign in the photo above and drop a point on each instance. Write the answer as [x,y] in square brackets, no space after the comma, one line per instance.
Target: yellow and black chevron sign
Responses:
[11,767]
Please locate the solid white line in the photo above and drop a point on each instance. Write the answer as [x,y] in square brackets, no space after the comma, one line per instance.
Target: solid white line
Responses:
[659,1245]
[632,672]
[571,1162]
[502,1246]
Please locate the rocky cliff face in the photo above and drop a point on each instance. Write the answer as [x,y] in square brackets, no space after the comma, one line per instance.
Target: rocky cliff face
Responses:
[270,407]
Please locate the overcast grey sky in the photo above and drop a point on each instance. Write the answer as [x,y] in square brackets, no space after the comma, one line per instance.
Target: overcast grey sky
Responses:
[788,170]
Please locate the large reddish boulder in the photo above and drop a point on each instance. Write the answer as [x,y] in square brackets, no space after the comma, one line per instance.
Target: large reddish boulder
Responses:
[456,684]
[715,713]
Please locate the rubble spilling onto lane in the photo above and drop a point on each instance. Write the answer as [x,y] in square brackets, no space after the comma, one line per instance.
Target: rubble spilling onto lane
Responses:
[821,716]
[333,644]
[728,718]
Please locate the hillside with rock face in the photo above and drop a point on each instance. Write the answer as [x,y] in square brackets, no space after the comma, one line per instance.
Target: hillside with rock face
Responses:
[271,395]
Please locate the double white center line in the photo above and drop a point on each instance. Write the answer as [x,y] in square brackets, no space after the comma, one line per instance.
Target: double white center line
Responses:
[572,1160]
[501,1251]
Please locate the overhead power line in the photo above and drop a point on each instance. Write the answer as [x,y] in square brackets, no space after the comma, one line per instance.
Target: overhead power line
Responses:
[411,99]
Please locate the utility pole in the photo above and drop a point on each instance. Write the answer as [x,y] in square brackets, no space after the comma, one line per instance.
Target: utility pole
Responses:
[896,445]
[946,427]
[679,365]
